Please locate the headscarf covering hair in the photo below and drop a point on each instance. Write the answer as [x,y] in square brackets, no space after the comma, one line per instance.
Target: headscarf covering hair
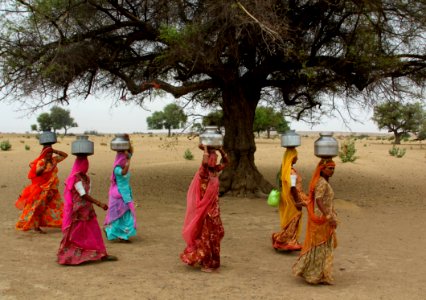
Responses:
[212,159]
[120,160]
[287,208]
[33,164]
[323,163]
[81,165]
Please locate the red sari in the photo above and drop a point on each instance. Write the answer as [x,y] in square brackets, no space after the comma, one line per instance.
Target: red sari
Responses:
[203,229]
[40,201]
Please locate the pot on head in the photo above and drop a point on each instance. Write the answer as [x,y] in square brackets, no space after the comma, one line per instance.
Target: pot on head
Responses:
[212,137]
[326,146]
[290,139]
[82,146]
[120,142]
[47,138]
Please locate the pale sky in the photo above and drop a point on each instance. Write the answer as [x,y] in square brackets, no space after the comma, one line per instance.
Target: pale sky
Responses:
[104,116]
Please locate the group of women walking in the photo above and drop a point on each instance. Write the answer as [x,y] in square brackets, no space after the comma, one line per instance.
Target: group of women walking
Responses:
[315,261]
[82,239]
[203,231]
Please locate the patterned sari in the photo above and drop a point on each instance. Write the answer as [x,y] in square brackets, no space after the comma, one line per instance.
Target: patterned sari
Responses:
[290,215]
[203,229]
[40,201]
[82,237]
[315,262]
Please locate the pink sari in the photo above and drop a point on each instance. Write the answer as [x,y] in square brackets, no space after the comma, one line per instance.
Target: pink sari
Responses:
[203,230]
[82,237]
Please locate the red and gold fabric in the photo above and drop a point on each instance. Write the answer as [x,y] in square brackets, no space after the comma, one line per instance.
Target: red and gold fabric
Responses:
[40,202]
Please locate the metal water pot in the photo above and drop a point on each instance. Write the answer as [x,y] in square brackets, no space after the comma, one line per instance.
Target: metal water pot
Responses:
[82,146]
[120,143]
[290,139]
[47,138]
[326,146]
[212,137]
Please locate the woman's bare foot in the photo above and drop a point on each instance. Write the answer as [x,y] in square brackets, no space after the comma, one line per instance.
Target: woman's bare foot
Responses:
[209,270]
[38,230]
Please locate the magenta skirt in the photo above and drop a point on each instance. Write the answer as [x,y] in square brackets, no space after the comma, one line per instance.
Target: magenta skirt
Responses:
[82,242]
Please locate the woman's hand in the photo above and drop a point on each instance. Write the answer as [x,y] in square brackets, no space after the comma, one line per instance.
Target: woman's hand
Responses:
[332,221]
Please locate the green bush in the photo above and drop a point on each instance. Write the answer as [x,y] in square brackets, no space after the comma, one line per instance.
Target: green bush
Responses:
[27,147]
[188,155]
[397,152]
[347,151]
[5,145]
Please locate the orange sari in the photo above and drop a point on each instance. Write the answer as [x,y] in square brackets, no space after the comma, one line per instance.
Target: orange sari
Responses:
[316,258]
[40,201]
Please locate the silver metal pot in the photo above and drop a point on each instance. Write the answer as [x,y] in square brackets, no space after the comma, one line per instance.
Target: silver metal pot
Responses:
[290,139]
[212,137]
[47,138]
[82,146]
[326,146]
[120,143]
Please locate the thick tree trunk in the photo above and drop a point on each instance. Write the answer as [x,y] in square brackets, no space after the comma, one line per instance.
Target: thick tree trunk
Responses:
[397,137]
[241,177]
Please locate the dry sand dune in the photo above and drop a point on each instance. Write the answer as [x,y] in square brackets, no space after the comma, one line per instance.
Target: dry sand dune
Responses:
[380,202]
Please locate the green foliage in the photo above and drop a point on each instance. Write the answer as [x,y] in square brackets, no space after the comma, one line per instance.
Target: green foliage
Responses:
[188,155]
[58,118]
[61,119]
[397,152]
[27,147]
[5,145]
[214,118]
[399,118]
[172,117]
[266,119]
[347,151]
[44,122]
[421,134]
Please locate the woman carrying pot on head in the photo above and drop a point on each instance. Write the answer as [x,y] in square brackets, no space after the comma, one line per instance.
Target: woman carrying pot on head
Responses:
[82,237]
[40,201]
[120,221]
[203,230]
[316,258]
[290,205]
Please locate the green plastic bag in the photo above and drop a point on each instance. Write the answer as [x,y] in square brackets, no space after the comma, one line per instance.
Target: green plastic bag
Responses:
[274,198]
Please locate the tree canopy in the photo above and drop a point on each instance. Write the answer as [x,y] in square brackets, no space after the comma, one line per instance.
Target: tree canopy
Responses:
[172,117]
[304,56]
[266,119]
[399,118]
[58,118]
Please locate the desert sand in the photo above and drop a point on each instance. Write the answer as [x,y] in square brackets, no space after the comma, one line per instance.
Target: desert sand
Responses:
[380,202]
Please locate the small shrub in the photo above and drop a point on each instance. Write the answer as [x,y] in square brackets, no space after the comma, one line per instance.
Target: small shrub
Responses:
[347,151]
[188,155]
[397,152]
[27,147]
[5,145]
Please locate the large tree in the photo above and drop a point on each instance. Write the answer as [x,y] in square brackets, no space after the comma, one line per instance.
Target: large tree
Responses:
[298,54]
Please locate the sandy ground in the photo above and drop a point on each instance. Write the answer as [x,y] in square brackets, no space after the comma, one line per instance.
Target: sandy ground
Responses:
[380,202]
